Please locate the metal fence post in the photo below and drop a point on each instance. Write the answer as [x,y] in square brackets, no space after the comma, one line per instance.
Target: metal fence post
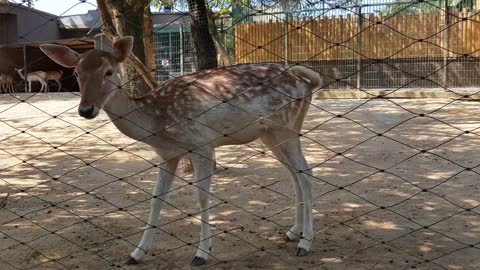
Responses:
[182,69]
[359,45]
[286,39]
[25,67]
[445,44]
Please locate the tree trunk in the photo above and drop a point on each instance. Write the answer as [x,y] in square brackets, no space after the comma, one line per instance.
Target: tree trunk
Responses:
[132,18]
[202,40]
[223,58]
[203,44]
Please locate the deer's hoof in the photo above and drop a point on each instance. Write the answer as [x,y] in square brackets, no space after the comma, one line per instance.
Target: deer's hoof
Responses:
[301,252]
[287,238]
[130,261]
[197,261]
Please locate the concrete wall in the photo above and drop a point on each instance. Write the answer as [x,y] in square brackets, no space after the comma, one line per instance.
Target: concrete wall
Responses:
[8,28]
[31,25]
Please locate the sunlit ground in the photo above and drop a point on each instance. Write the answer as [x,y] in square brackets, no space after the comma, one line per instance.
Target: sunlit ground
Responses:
[382,204]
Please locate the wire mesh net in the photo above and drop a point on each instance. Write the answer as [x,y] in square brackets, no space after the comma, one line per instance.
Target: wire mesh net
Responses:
[393,180]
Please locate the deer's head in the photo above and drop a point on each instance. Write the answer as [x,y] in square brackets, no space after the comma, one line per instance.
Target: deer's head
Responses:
[97,72]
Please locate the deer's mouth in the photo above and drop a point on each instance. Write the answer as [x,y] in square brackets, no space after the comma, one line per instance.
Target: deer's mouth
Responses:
[88,112]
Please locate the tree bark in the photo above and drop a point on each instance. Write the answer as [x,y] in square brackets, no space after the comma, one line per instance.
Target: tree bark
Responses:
[132,18]
[202,40]
[223,58]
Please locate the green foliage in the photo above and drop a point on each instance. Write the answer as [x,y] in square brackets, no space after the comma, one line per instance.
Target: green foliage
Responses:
[222,6]
[28,2]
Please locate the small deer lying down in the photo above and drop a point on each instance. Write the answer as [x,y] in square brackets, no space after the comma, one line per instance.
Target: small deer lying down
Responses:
[193,114]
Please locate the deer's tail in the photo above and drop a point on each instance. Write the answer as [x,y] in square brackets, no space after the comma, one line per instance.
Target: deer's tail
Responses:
[306,74]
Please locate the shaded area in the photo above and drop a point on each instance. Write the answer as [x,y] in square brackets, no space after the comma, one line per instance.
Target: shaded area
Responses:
[395,186]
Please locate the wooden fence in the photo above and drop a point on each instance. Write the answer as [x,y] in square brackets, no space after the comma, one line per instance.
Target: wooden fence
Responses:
[372,37]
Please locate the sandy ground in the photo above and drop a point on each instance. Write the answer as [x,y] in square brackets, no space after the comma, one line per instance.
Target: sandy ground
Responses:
[382,204]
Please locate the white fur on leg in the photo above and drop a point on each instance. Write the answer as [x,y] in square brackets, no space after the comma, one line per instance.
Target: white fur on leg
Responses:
[295,232]
[205,236]
[289,151]
[164,182]
[203,167]
[306,185]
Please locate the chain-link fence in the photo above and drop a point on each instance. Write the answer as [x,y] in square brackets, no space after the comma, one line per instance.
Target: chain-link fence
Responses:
[393,181]
[173,50]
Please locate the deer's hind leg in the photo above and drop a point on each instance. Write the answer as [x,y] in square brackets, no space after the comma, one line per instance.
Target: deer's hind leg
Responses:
[285,145]
[203,164]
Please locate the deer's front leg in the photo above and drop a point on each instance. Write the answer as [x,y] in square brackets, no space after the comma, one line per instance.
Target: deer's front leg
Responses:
[162,187]
[203,167]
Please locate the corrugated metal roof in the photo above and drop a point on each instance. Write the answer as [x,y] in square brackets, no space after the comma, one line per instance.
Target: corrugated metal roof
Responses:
[82,21]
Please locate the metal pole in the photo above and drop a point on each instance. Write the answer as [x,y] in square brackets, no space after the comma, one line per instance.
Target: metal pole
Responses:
[169,66]
[359,45]
[25,66]
[286,39]
[181,50]
[445,44]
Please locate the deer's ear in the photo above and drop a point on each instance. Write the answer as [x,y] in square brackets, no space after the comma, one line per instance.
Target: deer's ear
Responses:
[122,48]
[62,55]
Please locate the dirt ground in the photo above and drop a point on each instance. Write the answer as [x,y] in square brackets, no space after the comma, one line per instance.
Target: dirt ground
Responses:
[382,204]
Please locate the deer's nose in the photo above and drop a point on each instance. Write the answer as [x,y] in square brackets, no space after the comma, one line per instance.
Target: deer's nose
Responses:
[86,111]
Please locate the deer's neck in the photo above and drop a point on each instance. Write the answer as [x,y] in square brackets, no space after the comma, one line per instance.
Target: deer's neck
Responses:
[119,105]
[21,74]
[127,115]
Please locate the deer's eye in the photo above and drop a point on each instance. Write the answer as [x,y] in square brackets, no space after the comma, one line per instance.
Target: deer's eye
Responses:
[109,73]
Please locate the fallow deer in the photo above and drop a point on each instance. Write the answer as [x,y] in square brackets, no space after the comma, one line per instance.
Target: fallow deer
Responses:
[193,114]
[7,83]
[35,76]
[54,75]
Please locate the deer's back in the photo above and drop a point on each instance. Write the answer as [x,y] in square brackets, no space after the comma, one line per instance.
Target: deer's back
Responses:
[238,102]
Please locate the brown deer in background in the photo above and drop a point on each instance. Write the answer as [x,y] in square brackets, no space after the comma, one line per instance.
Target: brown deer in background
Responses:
[54,75]
[7,83]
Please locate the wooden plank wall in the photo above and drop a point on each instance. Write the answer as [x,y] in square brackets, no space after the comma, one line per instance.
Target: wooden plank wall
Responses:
[341,38]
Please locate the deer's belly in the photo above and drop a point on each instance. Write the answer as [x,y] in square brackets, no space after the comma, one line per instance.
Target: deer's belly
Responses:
[242,136]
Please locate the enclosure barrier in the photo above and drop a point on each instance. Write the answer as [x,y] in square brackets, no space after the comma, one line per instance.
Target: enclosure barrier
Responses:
[394,182]
[370,37]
